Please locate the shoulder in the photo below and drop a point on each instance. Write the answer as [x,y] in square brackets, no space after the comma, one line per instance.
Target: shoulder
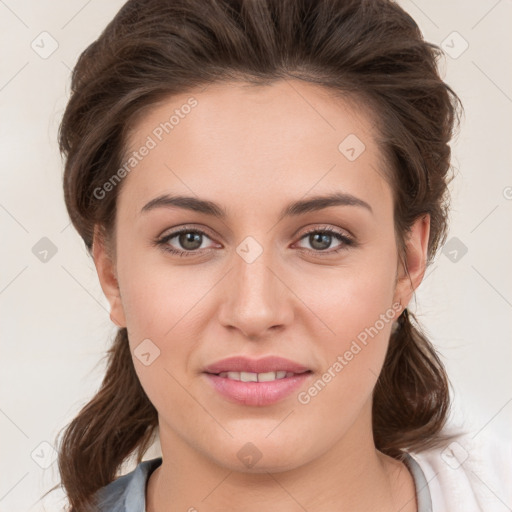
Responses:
[472,472]
[128,492]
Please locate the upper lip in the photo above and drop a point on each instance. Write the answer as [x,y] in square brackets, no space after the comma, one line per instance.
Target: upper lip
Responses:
[262,365]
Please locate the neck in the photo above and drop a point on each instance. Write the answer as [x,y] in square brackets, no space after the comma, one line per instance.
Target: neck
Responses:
[351,476]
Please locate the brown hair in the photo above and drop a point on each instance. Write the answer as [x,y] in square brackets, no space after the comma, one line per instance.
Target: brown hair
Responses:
[370,50]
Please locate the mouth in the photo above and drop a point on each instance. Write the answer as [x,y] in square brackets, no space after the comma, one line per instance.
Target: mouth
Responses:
[259,377]
[256,382]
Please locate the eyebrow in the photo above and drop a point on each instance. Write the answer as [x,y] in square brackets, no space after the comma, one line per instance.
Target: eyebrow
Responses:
[293,209]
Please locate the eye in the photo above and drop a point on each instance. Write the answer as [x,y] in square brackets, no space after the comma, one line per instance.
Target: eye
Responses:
[321,239]
[189,241]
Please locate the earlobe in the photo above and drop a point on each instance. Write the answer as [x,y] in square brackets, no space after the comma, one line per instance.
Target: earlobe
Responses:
[107,277]
[416,253]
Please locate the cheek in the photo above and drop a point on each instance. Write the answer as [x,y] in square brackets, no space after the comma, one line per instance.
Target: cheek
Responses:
[167,308]
[156,292]
[352,298]
[355,305]
[169,303]
[359,314]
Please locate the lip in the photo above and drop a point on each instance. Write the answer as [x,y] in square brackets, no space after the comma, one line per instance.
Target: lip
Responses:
[256,393]
[262,365]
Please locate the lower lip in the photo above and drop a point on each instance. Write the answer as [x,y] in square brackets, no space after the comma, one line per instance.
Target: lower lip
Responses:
[257,393]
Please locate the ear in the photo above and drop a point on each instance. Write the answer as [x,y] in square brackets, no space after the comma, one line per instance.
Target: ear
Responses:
[412,270]
[107,275]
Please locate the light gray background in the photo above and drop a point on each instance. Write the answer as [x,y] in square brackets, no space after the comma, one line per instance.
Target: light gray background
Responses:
[54,319]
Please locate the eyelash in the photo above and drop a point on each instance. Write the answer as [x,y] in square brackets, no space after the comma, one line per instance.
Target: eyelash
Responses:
[347,241]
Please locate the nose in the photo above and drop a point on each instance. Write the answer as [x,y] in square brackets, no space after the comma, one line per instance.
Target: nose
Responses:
[255,297]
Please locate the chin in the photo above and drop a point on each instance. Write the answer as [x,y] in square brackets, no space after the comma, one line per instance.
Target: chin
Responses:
[261,455]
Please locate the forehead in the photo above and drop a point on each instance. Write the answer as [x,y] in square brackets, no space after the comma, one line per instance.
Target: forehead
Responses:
[237,140]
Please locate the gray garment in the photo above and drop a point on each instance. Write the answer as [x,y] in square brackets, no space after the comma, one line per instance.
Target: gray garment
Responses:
[128,492]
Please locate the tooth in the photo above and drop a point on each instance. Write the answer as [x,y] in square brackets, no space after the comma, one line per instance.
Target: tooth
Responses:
[266,377]
[256,377]
[248,377]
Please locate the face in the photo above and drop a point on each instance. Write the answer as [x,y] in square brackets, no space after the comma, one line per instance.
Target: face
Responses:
[317,284]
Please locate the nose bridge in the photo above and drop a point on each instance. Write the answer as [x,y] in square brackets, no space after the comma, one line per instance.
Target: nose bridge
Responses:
[255,281]
[255,300]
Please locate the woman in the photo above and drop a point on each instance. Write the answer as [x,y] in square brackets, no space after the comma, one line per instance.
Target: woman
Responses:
[261,184]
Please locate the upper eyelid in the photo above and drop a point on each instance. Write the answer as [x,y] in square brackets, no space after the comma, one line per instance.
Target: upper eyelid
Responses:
[184,229]
[329,229]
